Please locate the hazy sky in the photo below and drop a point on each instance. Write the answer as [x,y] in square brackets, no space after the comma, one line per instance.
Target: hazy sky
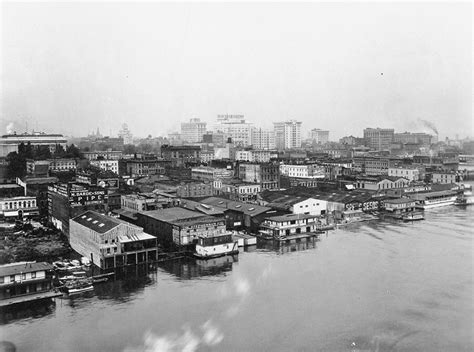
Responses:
[73,67]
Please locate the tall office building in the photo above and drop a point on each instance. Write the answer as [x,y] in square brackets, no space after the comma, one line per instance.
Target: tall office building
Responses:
[287,134]
[193,130]
[235,127]
[263,139]
[379,138]
[319,136]
[126,135]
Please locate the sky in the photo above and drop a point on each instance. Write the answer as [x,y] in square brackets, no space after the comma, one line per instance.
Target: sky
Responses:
[77,66]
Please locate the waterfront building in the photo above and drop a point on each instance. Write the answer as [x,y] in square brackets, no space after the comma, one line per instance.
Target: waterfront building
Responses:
[287,134]
[400,207]
[379,138]
[294,204]
[18,207]
[180,227]
[106,164]
[263,139]
[319,136]
[26,281]
[282,226]
[239,215]
[445,177]
[181,155]
[109,242]
[66,201]
[266,174]
[381,183]
[10,142]
[412,174]
[193,131]
[107,155]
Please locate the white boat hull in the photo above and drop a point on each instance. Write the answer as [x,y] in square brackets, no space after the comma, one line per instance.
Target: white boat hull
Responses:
[216,250]
[442,203]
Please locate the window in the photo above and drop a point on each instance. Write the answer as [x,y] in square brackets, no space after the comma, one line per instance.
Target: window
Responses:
[2,279]
[12,278]
[23,276]
[33,275]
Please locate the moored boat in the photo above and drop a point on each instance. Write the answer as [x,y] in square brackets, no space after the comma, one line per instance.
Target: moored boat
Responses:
[74,287]
[211,247]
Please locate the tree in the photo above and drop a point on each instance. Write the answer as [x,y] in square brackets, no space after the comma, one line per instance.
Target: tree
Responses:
[73,152]
[16,165]
[129,149]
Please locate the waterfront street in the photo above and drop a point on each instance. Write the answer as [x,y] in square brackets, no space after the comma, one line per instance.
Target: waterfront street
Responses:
[373,286]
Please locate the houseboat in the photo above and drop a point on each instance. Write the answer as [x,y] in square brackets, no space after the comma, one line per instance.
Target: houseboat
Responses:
[26,281]
[217,246]
[430,200]
[403,209]
[290,225]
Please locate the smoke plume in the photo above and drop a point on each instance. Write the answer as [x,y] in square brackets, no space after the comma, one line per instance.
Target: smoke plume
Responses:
[429,125]
[10,127]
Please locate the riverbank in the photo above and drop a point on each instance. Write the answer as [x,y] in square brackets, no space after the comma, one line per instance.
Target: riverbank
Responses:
[28,243]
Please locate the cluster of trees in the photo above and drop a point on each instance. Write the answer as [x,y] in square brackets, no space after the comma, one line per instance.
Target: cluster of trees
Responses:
[17,160]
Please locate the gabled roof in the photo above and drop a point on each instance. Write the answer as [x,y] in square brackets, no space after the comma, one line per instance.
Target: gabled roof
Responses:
[97,222]
[226,204]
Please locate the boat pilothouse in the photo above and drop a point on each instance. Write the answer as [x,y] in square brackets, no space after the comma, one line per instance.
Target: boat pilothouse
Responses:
[217,246]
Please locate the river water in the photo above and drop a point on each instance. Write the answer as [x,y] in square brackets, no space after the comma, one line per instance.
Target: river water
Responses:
[374,286]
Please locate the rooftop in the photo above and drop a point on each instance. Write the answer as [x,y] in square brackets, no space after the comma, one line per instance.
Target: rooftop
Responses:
[171,215]
[225,204]
[289,217]
[136,237]
[97,222]
[23,267]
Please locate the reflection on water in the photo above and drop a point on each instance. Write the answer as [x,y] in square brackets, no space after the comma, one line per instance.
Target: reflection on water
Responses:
[372,286]
[191,268]
[283,247]
[29,310]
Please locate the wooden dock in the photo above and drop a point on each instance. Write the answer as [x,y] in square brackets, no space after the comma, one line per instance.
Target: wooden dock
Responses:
[28,298]
[297,237]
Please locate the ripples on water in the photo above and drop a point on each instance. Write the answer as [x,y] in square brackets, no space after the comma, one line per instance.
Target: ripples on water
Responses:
[374,286]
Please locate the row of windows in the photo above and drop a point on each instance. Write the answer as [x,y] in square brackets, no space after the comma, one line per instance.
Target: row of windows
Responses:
[12,277]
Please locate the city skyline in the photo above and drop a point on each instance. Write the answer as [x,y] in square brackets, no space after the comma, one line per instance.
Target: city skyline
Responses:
[338,67]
